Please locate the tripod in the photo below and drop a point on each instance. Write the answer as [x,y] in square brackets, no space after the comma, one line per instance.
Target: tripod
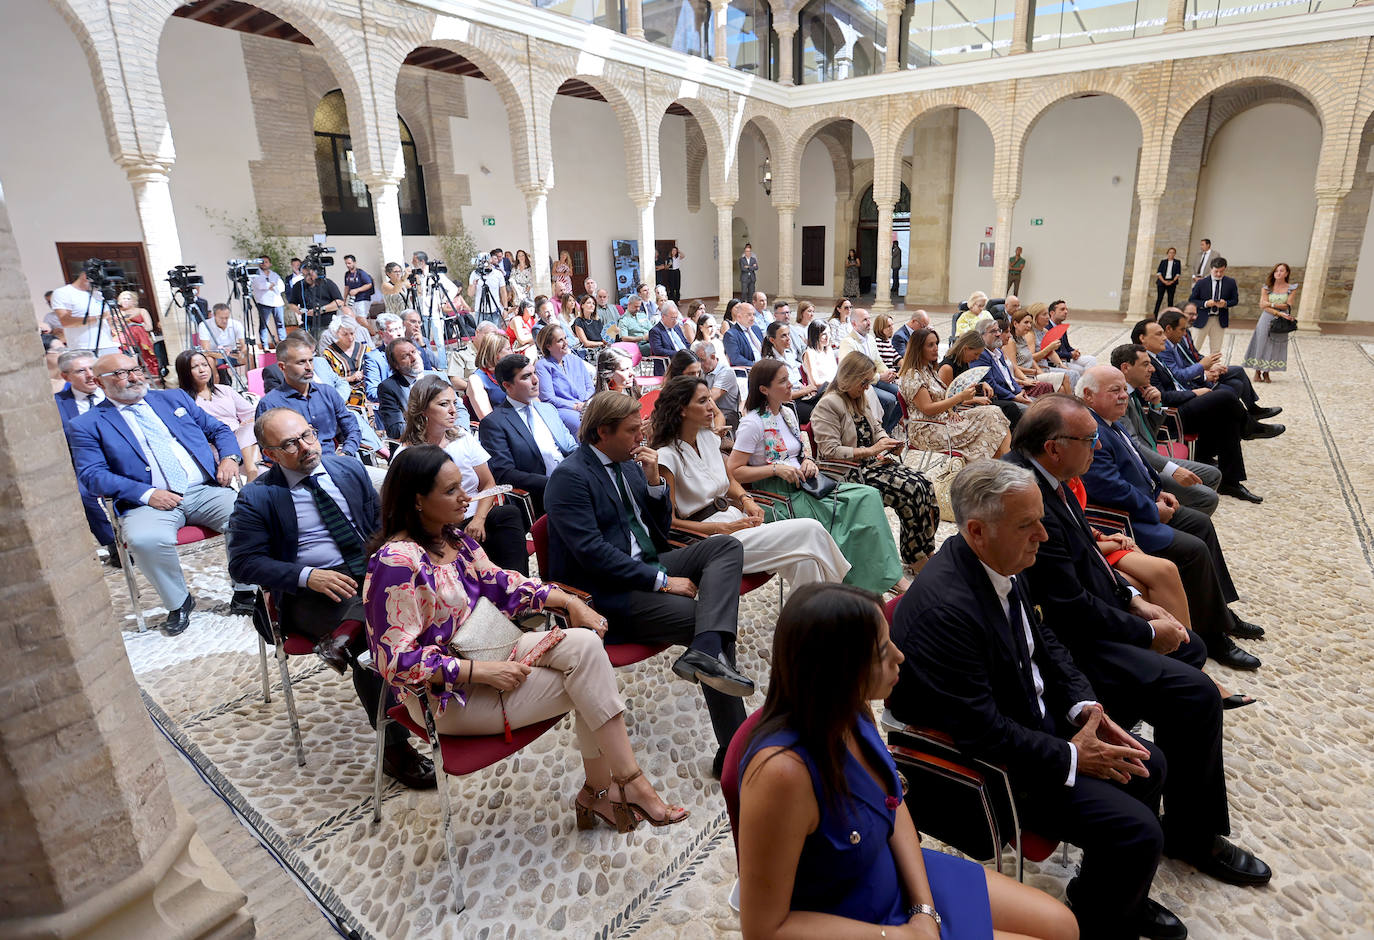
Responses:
[436,283]
[488,307]
[238,290]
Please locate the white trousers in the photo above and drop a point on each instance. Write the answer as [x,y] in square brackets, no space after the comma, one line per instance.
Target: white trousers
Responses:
[799,551]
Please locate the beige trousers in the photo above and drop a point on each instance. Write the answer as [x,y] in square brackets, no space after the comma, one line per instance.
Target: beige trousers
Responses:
[1212,333]
[573,676]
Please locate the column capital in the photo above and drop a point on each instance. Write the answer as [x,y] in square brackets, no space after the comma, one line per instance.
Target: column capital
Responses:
[1331,195]
[786,29]
[1006,199]
[140,169]
[781,207]
[643,201]
[533,189]
[724,205]
[379,180]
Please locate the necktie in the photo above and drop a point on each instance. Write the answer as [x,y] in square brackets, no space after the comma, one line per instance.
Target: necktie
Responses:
[340,530]
[159,441]
[647,552]
[1146,431]
[1216,289]
[527,413]
[1072,506]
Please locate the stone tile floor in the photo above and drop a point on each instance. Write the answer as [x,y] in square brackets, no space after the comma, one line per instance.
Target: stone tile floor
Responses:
[1298,763]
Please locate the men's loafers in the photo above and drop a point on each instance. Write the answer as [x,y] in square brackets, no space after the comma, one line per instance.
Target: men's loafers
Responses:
[1236,658]
[1260,414]
[242,604]
[112,558]
[715,671]
[402,762]
[178,620]
[1246,631]
[1238,491]
[1158,922]
[1228,862]
[334,651]
[1257,431]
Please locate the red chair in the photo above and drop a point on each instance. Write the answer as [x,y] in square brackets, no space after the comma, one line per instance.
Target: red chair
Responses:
[631,351]
[255,385]
[186,535]
[1172,439]
[646,403]
[729,773]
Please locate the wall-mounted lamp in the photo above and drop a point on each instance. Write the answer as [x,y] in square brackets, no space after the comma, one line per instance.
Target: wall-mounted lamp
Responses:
[766,177]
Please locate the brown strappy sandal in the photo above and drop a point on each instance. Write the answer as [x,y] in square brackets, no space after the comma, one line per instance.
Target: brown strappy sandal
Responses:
[628,814]
[588,815]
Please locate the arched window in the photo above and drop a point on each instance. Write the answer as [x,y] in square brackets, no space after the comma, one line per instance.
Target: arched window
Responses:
[840,39]
[866,236]
[344,200]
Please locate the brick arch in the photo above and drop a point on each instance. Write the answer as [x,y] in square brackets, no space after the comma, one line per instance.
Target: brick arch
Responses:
[767,129]
[1244,99]
[962,98]
[1076,86]
[627,117]
[706,143]
[803,136]
[1259,69]
[841,159]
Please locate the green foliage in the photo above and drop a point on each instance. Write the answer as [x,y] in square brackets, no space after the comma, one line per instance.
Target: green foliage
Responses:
[253,236]
[457,247]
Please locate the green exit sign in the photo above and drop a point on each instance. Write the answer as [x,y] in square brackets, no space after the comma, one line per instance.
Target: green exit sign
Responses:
[489,220]
[1037,221]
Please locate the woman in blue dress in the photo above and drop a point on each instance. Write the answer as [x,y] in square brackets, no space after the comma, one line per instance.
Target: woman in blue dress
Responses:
[826,843]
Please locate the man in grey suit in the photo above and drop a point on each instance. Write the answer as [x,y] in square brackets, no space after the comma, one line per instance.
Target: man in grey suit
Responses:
[1192,482]
[748,272]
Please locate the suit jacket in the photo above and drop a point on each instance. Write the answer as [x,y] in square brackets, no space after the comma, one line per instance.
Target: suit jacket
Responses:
[900,339]
[1116,480]
[1202,292]
[589,538]
[966,674]
[1144,423]
[737,348]
[392,396]
[661,344]
[67,410]
[515,457]
[272,377]
[1187,371]
[995,378]
[376,370]
[1164,269]
[264,525]
[1172,393]
[110,461]
[832,423]
[564,388]
[1085,602]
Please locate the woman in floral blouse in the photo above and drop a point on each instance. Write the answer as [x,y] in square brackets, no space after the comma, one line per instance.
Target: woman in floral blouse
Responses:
[426,578]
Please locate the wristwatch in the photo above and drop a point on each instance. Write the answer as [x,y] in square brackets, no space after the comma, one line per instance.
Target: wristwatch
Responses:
[925,909]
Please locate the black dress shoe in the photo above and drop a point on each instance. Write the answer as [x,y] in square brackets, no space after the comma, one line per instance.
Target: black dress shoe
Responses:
[1257,431]
[334,651]
[402,762]
[1244,630]
[1260,414]
[112,558]
[1228,862]
[715,671]
[1238,491]
[1157,922]
[718,765]
[1236,658]
[178,620]
[242,604]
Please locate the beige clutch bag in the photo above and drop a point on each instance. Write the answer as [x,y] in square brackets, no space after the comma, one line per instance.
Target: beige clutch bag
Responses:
[487,635]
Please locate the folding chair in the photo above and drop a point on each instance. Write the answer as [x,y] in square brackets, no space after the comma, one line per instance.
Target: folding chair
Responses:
[186,535]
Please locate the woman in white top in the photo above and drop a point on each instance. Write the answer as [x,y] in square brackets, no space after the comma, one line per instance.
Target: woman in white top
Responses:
[839,322]
[432,418]
[707,332]
[707,501]
[819,362]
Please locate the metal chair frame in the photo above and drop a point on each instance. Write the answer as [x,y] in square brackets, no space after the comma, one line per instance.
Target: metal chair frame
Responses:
[126,559]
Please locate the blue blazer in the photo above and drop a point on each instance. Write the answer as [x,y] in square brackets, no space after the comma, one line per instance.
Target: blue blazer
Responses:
[900,339]
[995,378]
[1185,369]
[1202,292]
[515,457]
[589,539]
[110,462]
[376,370]
[660,344]
[564,389]
[1115,480]
[263,549]
[737,348]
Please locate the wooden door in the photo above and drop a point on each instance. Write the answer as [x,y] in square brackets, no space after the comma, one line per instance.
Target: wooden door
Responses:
[578,250]
[813,255]
[127,255]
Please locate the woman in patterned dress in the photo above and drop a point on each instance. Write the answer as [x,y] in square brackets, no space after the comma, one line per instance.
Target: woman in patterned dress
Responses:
[978,431]
[425,580]
[1268,352]
[521,277]
[562,275]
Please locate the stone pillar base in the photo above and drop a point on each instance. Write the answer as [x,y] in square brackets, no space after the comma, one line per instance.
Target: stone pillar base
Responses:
[181,893]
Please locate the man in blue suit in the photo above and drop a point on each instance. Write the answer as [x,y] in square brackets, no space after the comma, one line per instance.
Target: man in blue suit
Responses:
[609,512]
[151,452]
[743,341]
[524,436]
[666,337]
[1214,295]
[300,531]
[1194,370]
[1119,479]
[1008,394]
[81,394]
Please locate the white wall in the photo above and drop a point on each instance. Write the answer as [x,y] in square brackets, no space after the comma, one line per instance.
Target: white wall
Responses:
[694,232]
[817,208]
[755,208]
[974,211]
[1255,197]
[1079,176]
[60,182]
[482,139]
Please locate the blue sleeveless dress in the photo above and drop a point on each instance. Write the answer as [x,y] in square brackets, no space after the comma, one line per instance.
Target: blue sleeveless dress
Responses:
[857,878]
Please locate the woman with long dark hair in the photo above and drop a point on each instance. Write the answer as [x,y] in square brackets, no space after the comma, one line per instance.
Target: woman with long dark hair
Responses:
[425,580]
[1268,351]
[827,843]
[851,275]
[196,377]
[777,344]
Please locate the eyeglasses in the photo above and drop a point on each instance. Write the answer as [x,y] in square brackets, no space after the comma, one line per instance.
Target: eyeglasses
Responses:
[122,373]
[1069,437]
[293,444]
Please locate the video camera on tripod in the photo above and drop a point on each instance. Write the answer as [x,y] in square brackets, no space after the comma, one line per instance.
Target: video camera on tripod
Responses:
[105,277]
[317,258]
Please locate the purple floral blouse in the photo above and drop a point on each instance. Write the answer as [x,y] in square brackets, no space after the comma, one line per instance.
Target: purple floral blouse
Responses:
[414,607]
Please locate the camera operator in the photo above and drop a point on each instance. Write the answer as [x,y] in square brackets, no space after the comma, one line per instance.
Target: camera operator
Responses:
[70,303]
[268,291]
[436,297]
[315,294]
[488,286]
[358,290]
[221,336]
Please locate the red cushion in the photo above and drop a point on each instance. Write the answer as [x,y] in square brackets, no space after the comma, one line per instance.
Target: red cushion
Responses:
[464,754]
[627,654]
[751,581]
[298,644]
[729,773]
[1036,848]
[194,533]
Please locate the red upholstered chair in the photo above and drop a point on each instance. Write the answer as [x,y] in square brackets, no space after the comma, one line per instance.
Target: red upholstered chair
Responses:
[729,773]
[266,359]
[1172,439]
[968,803]
[255,385]
[290,644]
[186,535]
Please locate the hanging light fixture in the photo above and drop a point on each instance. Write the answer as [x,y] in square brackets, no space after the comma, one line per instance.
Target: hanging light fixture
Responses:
[766,176]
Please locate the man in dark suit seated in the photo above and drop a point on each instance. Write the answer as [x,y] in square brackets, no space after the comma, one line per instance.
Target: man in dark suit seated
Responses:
[1118,479]
[1215,295]
[1216,416]
[744,341]
[300,531]
[666,336]
[1008,395]
[609,512]
[1195,370]
[982,666]
[407,365]
[317,402]
[81,394]
[524,436]
[151,451]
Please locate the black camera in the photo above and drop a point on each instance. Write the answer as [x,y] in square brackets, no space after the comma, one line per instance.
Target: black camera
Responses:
[317,258]
[437,267]
[481,264]
[105,277]
[241,269]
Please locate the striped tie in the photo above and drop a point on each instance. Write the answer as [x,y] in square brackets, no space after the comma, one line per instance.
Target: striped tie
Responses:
[159,441]
[340,530]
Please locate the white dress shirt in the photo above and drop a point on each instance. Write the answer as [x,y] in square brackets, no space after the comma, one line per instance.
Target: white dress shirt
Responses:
[543,437]
[84,401]
[655,492]
[267,289]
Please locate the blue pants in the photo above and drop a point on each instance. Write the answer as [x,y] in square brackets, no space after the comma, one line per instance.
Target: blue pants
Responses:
[271,318]
[152,536]
[892,409]
[96,518]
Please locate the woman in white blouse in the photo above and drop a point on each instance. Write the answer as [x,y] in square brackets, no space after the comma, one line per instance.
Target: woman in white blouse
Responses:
[819,362]
[707,501]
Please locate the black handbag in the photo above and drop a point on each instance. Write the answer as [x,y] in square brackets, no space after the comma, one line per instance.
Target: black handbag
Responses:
[1280,325]
[819,486]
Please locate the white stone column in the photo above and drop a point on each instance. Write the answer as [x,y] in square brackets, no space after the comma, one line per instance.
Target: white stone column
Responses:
[725,234]
[634,19]
[787,33]
[882,287]
[645,206]
[719,11]
[1002,244]
[1319,258]
[895,41]
[1143,271]
[1023,15]
[537,206]
[386,215]
[1173,17]
[787,214]
[153,202]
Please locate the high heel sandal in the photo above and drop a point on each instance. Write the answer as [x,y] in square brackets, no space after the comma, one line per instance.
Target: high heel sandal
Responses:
[628,814]
[588,815]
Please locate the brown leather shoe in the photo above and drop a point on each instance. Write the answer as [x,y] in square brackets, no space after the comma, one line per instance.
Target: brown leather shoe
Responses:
[334,651]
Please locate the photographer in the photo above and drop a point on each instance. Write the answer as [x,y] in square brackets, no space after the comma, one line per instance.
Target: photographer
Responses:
[488,286]
[268,291]
[358,289]
[437,297]
[315,295]
[71,303]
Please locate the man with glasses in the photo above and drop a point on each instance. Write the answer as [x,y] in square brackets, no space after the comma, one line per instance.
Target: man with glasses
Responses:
[82,392]
[151,452]
[319,404]
[860,339]
[1007,391]
[301,531]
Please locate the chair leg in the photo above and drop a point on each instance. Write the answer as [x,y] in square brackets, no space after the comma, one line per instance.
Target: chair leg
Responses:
[382,721]
[1064,854]
[290,705]
[459,900]
[262,661]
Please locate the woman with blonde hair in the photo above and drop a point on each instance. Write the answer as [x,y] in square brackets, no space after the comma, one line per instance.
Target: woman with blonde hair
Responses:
[883,328]
[848,425]
[977,302]
[562,274]
[133,332]
[491,347]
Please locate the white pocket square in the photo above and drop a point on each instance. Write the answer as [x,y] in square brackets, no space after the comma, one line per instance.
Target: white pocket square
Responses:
[179,413]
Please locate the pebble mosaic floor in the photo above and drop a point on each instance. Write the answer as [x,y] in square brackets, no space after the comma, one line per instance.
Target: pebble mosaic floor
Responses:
[1299,764]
